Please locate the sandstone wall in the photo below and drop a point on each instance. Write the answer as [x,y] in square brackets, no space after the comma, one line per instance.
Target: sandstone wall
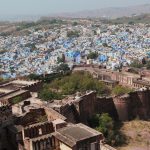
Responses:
[71,113]
[34,87]
[106,105]
[86,107]
[127,107]
[133,105]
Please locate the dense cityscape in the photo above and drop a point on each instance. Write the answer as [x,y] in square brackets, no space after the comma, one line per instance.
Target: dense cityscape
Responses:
[39,51]
[75,83]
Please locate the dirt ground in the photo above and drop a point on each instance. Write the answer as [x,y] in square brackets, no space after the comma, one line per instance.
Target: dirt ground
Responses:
[138,135]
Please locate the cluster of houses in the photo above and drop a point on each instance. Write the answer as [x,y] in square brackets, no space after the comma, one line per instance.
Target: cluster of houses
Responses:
[38,52]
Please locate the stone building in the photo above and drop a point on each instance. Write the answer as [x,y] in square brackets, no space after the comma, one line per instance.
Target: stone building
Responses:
[17,88]
[77,137]
[124,77]
[76,108]
[11,98]
[6,116]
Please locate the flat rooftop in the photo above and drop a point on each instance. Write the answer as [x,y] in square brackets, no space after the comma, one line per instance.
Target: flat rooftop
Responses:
[76,133]
[11,86]
[143,82]
[71,134]
[3,90]
[14,85]
[13,94]
[24,82]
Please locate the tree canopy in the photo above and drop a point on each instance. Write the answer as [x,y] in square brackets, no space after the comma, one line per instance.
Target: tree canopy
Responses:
[62,68]
[70,84]
[105,124]
[92,55]
[136,64]
[78,81]
[72,34]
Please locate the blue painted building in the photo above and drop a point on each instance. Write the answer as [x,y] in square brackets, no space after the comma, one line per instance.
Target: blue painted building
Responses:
[102,58]
[74,56]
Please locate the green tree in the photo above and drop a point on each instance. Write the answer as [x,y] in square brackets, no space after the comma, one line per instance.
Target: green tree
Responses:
[105,44]
[148,65]
[75,24]
[63,68]
[136,64]
[94,121]
[78,81]
[72,34]
[92,55]
[105,124]
[33,76]
[131,22]
[61,59]
[31,46]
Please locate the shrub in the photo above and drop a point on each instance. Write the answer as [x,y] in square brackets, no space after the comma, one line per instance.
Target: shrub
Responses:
[105,124]
[72,34]
[120,90]
[92,55]
[48,95]
[78,81]
[16,100]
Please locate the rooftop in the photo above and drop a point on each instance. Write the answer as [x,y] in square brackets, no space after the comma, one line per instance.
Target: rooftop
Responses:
[19,92]
[23,82]
[74,133]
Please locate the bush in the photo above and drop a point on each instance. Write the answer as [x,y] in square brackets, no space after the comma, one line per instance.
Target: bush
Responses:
[48,95]
[1,79]
[78,81]
[42,119]
[72,34]
[33,76]
[75,24]
[120,90]
[136,64]
[62,68]
[105,124]
[131,23]
[148,65]
[105,44]
[16,100]
[25,25]
[92,55]
[70,84]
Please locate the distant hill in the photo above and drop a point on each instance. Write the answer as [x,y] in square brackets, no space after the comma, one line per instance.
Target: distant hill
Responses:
[144,18]
[108,13]
[114,12]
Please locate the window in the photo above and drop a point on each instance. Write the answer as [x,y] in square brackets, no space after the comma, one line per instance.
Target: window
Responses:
[40,131]
[94,146]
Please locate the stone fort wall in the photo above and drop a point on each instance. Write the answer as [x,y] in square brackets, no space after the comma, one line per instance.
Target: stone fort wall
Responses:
[127,107]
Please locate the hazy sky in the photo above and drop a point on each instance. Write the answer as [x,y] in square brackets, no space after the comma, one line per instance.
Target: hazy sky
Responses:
[43,7]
